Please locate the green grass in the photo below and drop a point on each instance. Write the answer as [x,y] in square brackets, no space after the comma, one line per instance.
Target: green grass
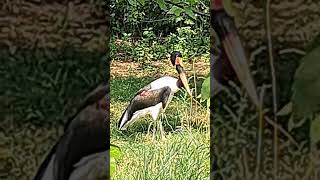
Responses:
[184,154]
[37,95]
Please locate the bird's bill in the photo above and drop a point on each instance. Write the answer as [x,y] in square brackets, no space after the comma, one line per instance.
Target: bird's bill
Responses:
[182,74]
[184,81]
[236,55]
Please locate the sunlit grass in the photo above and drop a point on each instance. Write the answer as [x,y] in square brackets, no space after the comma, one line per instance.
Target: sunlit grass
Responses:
[183,155]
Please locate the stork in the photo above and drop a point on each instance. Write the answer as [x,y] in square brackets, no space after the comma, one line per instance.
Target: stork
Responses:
[155,97]
[82,151]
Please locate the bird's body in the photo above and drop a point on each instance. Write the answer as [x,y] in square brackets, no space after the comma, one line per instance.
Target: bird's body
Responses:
[154,98]
[82,151]
[169,81]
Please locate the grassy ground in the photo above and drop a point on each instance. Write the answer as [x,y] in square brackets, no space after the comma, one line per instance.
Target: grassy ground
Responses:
[184,154]
[235,123]
[37,96]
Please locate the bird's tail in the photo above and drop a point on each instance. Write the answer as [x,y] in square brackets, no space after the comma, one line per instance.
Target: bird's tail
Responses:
[123,120]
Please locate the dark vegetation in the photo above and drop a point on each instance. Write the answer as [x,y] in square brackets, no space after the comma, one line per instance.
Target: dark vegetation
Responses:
[144,32]
[51,57]
[288,146]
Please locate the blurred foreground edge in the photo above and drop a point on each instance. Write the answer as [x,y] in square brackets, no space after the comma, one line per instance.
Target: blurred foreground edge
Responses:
[44,31]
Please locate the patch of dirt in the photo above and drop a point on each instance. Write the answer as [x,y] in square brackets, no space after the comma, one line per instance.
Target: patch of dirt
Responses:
[155,69]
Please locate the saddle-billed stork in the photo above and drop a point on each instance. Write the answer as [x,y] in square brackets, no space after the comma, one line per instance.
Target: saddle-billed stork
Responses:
[82,152]
[154,98]
[231,62]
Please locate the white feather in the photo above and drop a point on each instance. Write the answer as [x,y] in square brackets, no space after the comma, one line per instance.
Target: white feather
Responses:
[91,167]
[48,174]
[154,111]
[165,81]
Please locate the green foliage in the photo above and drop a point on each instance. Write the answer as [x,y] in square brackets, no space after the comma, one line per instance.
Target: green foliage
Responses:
[150,47]
[175,10]
[115,154]
[170,159]
[205,91]
[44,91]
[315,130]
[149,30]
[134,16]
[162,4]
[306,87]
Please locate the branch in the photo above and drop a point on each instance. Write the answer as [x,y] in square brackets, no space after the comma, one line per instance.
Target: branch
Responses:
[284,132]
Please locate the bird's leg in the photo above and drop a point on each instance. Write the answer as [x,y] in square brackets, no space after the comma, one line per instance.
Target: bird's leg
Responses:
[154,130]
[161,127]
[152,123]
[149,127]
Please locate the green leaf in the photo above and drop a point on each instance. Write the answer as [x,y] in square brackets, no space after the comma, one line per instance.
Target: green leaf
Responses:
[306,85]
[115,151]
[112,166]
[205,89]
[315,130]
[190,13]
[142,2]
[192,2]
[175,10]
[162,4]
[115,154]
[178,19]
[295,123]
[208,103]
[189,21]
[286,110]
[132,2]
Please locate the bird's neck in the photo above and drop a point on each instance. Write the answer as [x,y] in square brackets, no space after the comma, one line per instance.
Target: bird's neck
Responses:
[179,83]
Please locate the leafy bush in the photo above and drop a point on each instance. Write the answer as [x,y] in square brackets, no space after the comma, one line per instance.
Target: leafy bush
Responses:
[150,47]
[145,30]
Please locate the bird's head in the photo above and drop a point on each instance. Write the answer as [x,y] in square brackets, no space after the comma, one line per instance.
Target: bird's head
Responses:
[176,60]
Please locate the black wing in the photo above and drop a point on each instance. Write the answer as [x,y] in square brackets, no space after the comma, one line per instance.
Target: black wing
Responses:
[144,89]
[91,98]
[88,134]
[146,99]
